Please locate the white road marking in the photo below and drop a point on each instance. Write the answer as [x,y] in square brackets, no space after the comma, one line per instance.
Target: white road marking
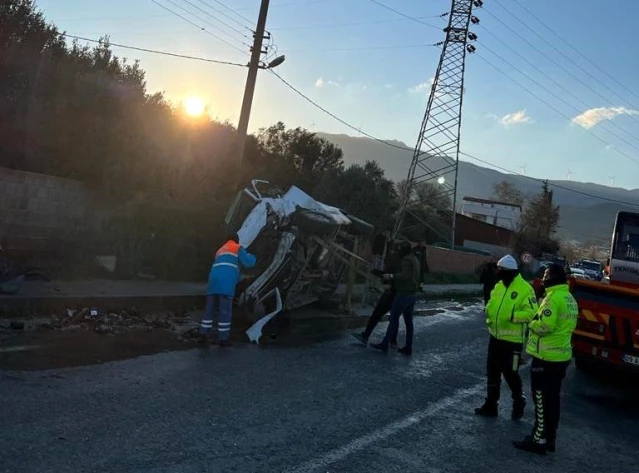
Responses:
[385,432]
[18,348]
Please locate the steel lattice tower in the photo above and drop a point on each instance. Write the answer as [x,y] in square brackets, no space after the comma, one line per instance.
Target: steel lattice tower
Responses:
[436,155]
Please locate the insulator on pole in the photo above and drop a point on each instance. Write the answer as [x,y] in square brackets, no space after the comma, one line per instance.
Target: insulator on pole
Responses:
[436,155]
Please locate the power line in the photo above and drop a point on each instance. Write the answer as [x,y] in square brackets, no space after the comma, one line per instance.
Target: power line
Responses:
[154,51]
[560,86]
[216,19]
[227,16]
[408,17]
[551,106]
[198,26]
[561,66]
[205,21]
[576,50]
[354,23]
[364,48]
[404,148]
[558,186]
[332,115]
[532,93]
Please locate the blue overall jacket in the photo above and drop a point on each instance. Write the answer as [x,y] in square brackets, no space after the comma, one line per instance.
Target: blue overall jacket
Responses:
[225,272]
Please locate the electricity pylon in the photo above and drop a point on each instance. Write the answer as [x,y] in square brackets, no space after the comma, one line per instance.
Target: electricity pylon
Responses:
[436,155]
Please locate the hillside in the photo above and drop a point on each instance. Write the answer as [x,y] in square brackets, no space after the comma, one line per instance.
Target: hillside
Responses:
[582,217]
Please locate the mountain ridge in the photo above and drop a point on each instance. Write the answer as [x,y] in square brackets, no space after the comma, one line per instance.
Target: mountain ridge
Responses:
[477,181]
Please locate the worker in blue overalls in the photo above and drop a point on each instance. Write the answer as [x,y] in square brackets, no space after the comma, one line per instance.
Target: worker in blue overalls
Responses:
[224,276]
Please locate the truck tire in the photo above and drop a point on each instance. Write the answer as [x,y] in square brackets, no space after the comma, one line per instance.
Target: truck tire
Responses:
[310,221]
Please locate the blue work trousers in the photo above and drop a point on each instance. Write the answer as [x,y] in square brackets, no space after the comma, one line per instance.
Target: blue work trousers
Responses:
[223,305]
[403,305]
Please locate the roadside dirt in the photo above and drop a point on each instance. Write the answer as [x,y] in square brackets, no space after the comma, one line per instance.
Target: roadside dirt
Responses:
[41,350]
[78,341]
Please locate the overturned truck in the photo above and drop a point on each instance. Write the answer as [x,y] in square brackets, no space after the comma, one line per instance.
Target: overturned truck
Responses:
[304,249]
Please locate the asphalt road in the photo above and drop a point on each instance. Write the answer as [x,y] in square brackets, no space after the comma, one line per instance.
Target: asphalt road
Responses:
[329,407]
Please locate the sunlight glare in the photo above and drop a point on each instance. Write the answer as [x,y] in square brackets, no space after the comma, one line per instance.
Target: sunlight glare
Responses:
[194,106]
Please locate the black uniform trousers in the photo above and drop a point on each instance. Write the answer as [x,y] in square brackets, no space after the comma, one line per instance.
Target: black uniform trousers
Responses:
[503,360]
[383,306]
[546,378]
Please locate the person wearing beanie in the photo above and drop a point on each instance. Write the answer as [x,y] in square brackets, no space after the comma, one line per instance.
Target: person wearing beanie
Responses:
[549,344]
[511,306]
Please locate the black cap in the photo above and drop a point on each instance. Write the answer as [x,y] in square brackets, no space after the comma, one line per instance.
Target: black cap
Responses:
[557,273]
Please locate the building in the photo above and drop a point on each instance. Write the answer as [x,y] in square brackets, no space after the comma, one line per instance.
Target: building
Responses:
[495,213]
[477,235]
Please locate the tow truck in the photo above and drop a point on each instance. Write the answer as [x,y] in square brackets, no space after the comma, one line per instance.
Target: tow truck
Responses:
[608,324]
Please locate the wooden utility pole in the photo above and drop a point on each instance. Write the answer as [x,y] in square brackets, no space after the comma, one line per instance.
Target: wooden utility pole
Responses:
[251,78]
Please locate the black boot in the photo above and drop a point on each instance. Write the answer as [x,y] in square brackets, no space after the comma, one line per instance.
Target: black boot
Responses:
[528,444]
[519,404]
[489,409]
[550,445]
[380,347]
[226,343]
[406,351]
[360,337]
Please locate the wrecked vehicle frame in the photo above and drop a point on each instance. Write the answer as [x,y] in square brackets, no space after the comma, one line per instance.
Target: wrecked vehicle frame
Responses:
[304,249]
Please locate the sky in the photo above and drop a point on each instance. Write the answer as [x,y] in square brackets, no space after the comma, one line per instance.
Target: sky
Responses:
[564,103]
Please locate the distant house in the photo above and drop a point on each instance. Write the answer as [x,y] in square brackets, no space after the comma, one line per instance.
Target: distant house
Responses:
[500,214]
[477,235]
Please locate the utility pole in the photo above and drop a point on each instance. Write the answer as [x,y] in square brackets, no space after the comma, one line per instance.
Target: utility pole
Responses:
[251,78]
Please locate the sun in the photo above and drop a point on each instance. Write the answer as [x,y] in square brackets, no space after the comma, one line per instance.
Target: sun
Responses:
[194,106]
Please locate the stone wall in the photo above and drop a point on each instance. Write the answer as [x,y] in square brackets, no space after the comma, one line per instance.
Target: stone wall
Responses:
[441,260]
[36,209]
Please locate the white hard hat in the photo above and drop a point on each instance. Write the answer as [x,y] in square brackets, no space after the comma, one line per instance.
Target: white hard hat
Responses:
[508,262]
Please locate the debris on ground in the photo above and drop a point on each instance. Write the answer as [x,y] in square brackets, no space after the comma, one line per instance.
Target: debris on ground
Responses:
[113,323]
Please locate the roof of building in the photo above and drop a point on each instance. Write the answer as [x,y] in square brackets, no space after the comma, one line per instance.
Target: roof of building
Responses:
[487,201]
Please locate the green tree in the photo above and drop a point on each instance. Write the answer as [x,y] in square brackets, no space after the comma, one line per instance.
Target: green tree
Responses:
[288,156]
[539,223]
[507,192]
[363,191]
[426,216]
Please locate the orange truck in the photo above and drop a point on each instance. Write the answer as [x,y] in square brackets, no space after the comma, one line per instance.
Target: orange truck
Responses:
[608,325]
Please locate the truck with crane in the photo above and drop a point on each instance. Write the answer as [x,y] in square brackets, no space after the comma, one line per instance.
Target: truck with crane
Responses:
[608,325]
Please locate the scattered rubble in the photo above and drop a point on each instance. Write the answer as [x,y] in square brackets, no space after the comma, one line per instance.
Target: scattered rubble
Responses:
[113,323]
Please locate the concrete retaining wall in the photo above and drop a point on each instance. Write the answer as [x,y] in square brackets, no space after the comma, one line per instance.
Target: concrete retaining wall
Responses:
[34,208]
[441,260]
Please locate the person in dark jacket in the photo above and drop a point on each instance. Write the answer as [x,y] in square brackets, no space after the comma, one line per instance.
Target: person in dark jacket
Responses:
[383,306]
[489,278]
[407,285]
[422,257]
[380,250]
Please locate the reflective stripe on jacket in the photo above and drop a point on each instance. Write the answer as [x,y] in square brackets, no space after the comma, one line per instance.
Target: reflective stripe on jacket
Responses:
[552,327]
[225,271]
[510,309]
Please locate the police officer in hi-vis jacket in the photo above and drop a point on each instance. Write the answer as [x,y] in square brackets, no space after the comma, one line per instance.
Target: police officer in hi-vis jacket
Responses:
[549,344]
[511,306]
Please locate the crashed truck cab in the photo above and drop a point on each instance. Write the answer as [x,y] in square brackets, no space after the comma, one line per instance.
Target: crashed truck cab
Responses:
[303,249]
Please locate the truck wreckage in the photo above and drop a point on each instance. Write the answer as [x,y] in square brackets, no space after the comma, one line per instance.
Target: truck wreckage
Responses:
[304,250]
